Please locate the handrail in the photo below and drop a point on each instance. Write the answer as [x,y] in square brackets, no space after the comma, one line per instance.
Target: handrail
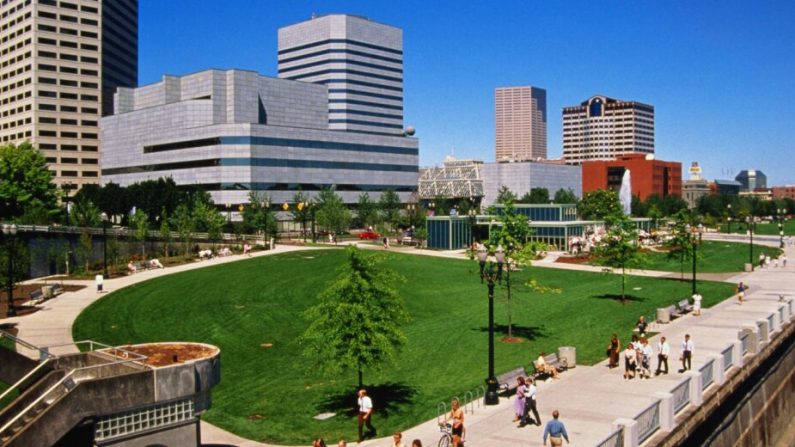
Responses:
[125,354]
[24,378]
[62,382]
[648,421]
[615,439]
[43,353]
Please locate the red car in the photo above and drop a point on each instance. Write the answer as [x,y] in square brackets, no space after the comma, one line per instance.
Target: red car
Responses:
[368,235]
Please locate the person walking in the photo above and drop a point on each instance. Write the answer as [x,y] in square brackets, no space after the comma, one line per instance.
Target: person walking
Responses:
[365,414]
[630,361]
[783,259]
[99,279]
[556,431]
[614,351]
[518,405]
[530,403]
[687,353]
[457,415]
[397,440]
[663,350]
[697,304]
[741,291]
[645,358]
[416,443]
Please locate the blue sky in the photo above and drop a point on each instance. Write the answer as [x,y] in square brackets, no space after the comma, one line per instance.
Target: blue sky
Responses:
[720,74]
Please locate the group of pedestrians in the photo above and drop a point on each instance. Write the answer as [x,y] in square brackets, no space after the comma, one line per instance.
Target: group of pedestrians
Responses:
[638,356]
[765,261]
[525,403]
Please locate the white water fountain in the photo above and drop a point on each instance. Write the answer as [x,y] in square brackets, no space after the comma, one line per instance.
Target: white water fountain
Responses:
[625,193]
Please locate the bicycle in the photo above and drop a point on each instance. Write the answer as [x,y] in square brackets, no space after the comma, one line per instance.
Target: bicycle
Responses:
[447,435]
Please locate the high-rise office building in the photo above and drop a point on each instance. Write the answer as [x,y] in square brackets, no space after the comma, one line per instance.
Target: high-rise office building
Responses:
[603,128]
[60,62]
[752,179]
[521,123]
[361,63]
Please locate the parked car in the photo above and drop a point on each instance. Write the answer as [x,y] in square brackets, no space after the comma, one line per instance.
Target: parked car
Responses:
[368,235]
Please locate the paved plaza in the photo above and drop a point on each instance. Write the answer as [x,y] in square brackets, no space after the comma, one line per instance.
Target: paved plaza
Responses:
[589,398]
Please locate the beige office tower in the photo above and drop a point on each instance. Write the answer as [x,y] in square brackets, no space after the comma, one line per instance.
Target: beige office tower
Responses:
[60,62]
[603,128]
[521,121]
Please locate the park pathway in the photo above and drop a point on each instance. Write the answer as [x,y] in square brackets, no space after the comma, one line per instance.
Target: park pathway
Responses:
[589,398]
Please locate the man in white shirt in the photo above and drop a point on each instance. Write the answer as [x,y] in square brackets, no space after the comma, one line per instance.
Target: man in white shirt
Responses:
[663,350]
[99,280]
[687,352]
[645,358]
[365,414]
[530,403]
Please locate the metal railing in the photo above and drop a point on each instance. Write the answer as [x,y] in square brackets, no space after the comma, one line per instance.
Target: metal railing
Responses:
[744,343]
[648,421]
[615,439]
[728,358]
[707,374]
[681,395]
[43,352]
[71,379]
[25,378]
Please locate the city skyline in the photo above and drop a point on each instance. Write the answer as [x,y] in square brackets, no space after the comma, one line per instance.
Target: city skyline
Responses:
[718,77]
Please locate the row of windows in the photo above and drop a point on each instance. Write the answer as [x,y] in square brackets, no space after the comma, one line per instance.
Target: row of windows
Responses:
[340,51]
[74,174]
[363,93]
[68,147]
[67,95]
[365,123]
[16,33]
[346,71]
[281,142]
[17,46]
[63,43]
[13,85]
[362,83]
[18,136]
[277,187]
[18,97]
[74,161]
[67,121]
[365,103]
[13,60]
[69,134]
[14,110]
[342,61]
[68,5]
[68,18]
[12,10]
[66,69]
[260,162]
[68,83]
[67,108]
[345,41]
[17,123]
[366,113]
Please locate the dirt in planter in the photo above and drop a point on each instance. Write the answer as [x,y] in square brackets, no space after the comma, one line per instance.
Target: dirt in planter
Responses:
[164,354]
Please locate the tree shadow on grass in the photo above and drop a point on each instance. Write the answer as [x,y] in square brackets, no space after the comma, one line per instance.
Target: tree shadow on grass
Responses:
[386,397]
[526,332]
[617,297]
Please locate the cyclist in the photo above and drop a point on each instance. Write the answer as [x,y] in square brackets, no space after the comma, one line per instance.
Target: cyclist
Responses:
[457,415]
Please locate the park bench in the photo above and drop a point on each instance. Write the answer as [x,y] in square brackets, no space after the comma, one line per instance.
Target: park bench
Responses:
[670,311]
[57,289]
[507,381]
[409,241]
[684,306]
[37,296]
[551,360]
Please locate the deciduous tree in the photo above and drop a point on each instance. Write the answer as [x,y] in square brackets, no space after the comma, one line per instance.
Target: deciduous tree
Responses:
[25,182]
[597,205]
[620,247]
[358,322]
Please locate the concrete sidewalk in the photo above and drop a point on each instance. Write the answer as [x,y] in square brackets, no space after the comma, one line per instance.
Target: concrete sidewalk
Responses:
[590,399]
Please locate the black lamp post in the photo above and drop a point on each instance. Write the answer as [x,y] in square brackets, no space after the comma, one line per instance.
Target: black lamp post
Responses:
[301,209]
[693,231]
[751,242]
[781,213]
[491,397]
[9,232]
[729,218]
[104,243]
[312,208]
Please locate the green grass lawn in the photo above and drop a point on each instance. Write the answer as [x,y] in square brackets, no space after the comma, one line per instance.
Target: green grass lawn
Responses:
[271,394]
[761,228]
[713,257]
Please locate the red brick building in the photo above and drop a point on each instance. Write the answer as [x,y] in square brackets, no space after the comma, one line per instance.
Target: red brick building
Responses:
[784,192]
[648,176]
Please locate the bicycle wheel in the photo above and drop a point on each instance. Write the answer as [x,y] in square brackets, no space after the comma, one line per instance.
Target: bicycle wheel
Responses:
[445,441]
